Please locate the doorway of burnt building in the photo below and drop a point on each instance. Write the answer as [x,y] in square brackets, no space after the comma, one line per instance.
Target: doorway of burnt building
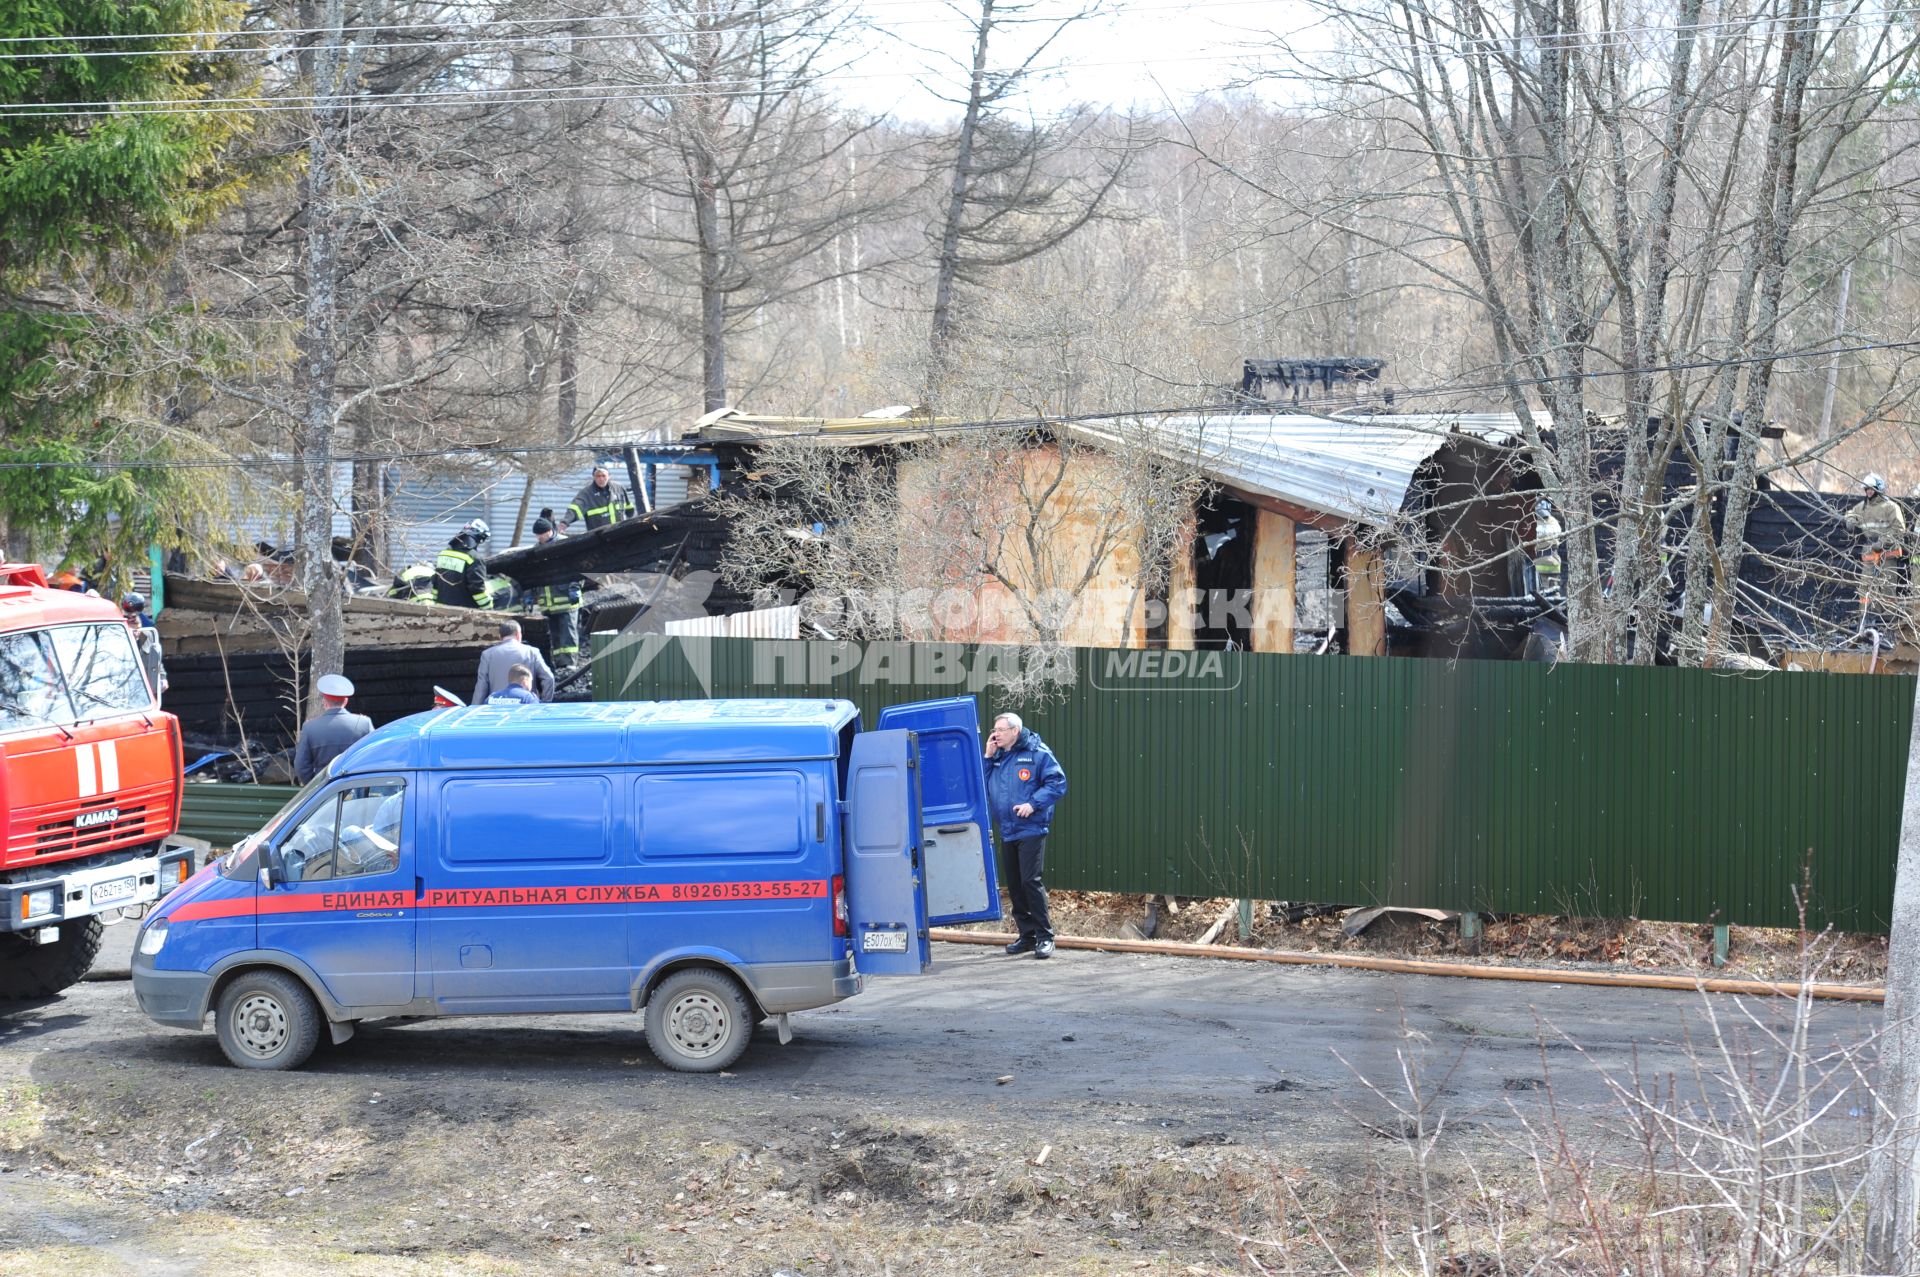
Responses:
[1223,537]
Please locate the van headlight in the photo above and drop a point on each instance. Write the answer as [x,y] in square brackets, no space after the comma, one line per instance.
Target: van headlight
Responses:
[153,937]
[36,904]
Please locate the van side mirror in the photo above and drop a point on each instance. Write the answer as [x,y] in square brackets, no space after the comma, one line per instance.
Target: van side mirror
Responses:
[269,869]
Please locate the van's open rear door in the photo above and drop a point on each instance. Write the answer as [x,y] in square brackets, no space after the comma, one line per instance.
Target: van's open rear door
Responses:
[962,885]
[885,893]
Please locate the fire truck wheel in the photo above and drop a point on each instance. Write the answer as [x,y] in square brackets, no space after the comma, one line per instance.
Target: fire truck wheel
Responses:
[267,1020]
[42,970]
[698,1021]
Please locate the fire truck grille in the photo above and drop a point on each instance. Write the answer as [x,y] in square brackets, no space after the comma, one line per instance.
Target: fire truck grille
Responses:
[61,837]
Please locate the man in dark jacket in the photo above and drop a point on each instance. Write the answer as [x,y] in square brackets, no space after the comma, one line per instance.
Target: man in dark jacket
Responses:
[601,502]
[460,574]
[1024,782]
[559,602]
[327,734]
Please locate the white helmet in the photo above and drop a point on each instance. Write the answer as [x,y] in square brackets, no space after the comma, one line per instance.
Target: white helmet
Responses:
[1543,509]
[477,529]
[1876,483]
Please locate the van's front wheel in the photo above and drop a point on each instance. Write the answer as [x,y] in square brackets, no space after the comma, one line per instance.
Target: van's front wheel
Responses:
[267,1020]
[698,1021]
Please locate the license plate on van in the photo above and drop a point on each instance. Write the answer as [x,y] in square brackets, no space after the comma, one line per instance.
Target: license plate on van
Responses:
[119,889]
[884,942]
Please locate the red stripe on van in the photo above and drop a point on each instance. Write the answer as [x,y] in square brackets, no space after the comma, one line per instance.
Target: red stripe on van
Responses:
[502,897]
[623,893]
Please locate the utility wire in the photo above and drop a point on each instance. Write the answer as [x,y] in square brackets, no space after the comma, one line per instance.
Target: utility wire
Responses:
[1218,415]
[375,48]
[1841,15]
[1591,40]
[478,96]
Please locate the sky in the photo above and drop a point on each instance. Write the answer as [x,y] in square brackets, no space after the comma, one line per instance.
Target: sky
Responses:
[1138,52]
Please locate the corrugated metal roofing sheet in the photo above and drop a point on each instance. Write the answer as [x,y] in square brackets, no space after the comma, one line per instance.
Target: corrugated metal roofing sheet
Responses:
[882,428]
[771,623]
[1356,468]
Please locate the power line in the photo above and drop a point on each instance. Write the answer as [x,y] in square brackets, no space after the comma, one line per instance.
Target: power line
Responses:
[378,47]
[455,98]
[369,27]
[458,98]
[1591,39]
[1219,414]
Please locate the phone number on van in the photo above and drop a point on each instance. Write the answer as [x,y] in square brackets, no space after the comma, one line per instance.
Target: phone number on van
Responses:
[624,893]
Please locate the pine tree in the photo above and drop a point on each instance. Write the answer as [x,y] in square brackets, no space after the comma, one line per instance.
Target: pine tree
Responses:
[116,121]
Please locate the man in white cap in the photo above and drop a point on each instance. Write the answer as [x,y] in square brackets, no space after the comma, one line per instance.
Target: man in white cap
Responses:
[328,733]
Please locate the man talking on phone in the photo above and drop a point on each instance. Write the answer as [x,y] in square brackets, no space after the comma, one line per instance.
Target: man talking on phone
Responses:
[1024,782]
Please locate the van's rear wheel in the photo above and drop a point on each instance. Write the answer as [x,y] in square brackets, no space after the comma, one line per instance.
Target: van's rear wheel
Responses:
[267,1020]
[698,1021]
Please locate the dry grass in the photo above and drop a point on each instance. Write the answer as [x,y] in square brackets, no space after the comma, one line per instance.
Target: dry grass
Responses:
[1512,939]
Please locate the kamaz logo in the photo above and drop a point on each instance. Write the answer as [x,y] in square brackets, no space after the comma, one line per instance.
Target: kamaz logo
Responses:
[94,819]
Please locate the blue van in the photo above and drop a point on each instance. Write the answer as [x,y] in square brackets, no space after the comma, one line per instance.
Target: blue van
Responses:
[716,863]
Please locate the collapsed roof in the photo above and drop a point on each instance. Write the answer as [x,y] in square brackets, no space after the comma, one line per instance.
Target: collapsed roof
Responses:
[1354,469]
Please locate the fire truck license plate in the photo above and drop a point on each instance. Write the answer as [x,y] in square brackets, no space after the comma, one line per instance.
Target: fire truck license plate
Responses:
[884,942]
[119,889]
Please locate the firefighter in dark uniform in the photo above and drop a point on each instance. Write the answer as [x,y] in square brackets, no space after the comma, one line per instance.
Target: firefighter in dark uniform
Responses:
[559,602]
[413,583]
[460,574]
[600,503]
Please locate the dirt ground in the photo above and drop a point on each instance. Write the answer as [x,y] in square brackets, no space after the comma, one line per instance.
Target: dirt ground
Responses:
[1095,1114]
[1532,940]
[557,1144]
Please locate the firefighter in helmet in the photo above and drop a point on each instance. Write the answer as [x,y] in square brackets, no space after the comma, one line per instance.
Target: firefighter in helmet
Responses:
[459,573]
[1881,525]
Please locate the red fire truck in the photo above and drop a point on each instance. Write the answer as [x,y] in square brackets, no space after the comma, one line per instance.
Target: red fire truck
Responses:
[89,781]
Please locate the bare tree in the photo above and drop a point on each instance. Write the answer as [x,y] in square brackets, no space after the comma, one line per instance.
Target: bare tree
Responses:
[1622,203]
[398,259]
[741,155]
[1015,187]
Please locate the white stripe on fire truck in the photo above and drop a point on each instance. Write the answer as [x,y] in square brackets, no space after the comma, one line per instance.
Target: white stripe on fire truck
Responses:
[89,780]
[109,766]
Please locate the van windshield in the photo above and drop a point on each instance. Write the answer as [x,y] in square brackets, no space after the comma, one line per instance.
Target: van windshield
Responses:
[239,863]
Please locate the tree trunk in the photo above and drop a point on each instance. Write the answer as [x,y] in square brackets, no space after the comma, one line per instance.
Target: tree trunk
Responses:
[1773,241]
[319,367]
[1833,374]
[713,297]
[947,265]
[369,499]
[566,352]
[1893,1168]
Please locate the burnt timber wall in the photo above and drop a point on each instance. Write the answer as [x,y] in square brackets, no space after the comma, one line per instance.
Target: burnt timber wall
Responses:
[219,699]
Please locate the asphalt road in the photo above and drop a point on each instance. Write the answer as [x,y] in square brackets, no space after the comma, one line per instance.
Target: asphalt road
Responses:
[1095,1113]
[1171,1042]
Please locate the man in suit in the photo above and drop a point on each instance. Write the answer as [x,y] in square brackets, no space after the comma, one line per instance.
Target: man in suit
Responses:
[497,662]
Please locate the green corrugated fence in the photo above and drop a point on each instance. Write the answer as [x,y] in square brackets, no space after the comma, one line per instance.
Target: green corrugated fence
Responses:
[225,813]
[1607,791]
